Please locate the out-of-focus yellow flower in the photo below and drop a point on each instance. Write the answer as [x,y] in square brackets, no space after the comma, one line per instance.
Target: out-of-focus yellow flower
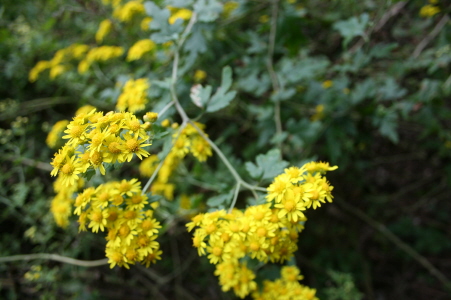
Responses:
[125,12]
[263,19]
[37,69]
[200,75]
[229,7]
[145,23]
[319,113]
[54,138]
[134,95]
[429,11]
[179,13]
[139,48]
[56,71]
[327,84]
[104,29]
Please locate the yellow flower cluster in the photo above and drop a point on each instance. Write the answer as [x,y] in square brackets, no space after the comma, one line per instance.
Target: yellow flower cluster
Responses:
[186,141]
[61,205]
[134,95]
[139,49]
[57,64]
[102,53]
[126,12]
[266,232]
[179,13]
[54,138]
[121,209]
[104,29]
[96,139]
[287,287]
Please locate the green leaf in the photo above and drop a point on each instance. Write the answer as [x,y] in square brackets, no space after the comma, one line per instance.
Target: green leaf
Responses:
[163,30]
[223,96]
[207,10]
[222,199]
[88,175]
[352,27]
[267,165]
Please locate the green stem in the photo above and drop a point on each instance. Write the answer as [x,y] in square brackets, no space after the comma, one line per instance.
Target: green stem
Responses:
[226,161]
[56,257]
[235,197]
[155,173]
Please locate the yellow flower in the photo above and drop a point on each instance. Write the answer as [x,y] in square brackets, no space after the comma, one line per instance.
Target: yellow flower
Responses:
[145,23]
[179,13]
[98,219]
[229,7]
[139,48]
[319,113]
[327,84]
[104,29]
[133,146]
[37,69]
[200,75]
[54,138]
[56,70]
[429,11]
[148,166]
[134,95]
[125,12]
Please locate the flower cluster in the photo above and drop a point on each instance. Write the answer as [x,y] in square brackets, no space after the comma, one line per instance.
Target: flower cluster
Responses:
[287,287]
[121,209]
[54,137]
[61,205]
[125,12]
[139,49]
[266,232]
[104,28]
[134,95]
[186,140]
[58,64]
[429,10]
[95,139]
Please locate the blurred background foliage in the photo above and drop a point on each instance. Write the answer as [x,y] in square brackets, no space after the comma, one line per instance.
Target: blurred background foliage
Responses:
[364,85]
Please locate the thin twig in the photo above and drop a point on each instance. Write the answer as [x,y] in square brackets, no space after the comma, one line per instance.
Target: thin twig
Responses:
[272,73]
[398,242]
[155,173]
[393,11]
[226,161]
[56,257]
[235,197]
[420,47]
[31,162]
[164,109]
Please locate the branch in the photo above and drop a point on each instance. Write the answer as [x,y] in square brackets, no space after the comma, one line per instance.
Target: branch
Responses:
[420,47]
[56,257]
[398,242]
[393,11]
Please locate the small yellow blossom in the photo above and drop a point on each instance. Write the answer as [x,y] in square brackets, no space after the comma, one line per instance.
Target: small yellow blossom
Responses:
[327,84]
[139,49]
[104,29]
[200,75]
[429,11]
[179,13]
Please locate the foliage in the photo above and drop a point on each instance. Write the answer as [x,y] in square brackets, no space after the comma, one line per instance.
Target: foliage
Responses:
[220,106]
